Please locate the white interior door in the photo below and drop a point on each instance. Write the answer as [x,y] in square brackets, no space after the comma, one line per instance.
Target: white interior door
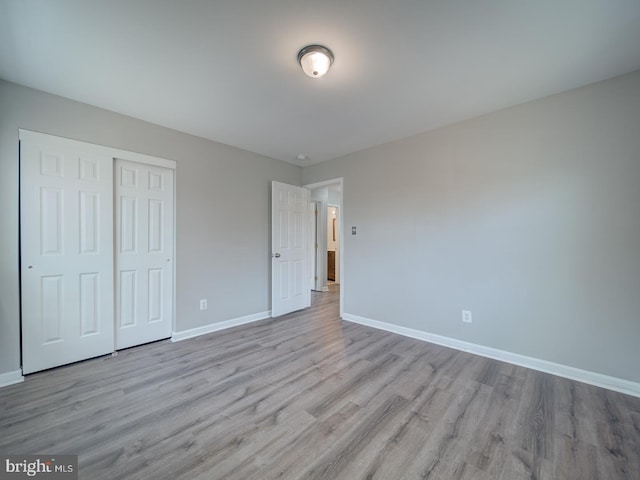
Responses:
[290,289]
[66,216]
[144,253]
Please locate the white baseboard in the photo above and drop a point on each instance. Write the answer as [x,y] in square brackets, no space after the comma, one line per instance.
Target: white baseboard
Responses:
[214,327]
[592,378]
[10,378]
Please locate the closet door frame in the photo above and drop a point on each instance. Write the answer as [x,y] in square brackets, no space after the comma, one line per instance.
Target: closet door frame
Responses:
[113,153]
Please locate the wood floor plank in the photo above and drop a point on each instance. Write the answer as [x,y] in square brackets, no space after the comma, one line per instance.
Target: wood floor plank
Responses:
[574,459]
[309,396]
[347,454]
[307,444]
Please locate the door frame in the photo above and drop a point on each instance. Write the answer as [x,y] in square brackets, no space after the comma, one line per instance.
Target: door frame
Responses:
[114,153]
[314,210]
[326,183]
[338,209]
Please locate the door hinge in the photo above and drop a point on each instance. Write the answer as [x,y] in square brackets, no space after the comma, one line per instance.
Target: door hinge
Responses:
[315,278]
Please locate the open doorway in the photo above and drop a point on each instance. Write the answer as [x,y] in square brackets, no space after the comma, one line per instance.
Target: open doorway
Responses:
[333,245]
[326,255]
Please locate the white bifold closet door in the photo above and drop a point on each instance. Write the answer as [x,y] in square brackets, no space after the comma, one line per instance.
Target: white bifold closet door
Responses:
[144,253]
[66,218]
[96,250]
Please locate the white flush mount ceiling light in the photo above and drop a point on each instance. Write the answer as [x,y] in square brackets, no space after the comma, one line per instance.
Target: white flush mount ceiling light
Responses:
[315,60]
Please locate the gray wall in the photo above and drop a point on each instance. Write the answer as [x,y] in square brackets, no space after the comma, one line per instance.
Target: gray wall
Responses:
[529,217]
[222,249]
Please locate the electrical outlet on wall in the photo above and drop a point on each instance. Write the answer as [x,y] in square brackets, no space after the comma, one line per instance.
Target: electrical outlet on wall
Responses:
[203,304]
[466,316]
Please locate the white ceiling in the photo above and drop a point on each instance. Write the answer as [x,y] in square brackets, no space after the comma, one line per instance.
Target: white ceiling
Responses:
[227,70]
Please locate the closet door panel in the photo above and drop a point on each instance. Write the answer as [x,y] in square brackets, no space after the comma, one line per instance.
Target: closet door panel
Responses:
[144,253]
[66,219]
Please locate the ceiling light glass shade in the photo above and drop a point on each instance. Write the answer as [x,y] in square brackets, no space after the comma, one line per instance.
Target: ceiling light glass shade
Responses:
[315,60]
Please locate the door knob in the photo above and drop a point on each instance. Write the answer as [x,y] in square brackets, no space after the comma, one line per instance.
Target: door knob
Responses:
[277,255]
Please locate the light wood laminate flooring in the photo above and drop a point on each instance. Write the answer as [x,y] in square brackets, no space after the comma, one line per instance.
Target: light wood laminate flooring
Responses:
[308,396]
